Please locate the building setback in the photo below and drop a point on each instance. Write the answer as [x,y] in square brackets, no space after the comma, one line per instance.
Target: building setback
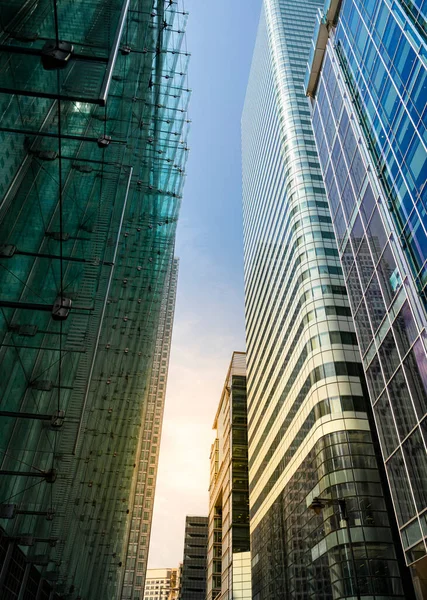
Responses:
[148,451]
[309,429]
[228,491]
[193,575]
[93,136]
[367,79]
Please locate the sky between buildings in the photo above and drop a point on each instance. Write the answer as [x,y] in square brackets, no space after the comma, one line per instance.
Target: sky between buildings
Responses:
[209,317]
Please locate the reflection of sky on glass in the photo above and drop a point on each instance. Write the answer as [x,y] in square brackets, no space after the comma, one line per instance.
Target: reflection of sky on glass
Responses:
[209,318]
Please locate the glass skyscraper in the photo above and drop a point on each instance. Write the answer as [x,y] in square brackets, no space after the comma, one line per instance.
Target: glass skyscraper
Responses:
[93,135]
[367,78]
[229,539]
[144,484]
[309,427]
[194,563]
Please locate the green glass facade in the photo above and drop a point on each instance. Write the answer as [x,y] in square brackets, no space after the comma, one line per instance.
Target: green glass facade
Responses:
[93,130]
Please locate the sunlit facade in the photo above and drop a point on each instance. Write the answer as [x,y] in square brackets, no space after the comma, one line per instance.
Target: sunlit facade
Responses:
[158,584]
[144,485]
[367,78]
[228,488]
[93,134]
[309,423]
[241,576]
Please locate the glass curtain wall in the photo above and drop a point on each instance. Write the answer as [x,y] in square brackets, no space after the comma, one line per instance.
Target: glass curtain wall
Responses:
[369,117]
[309,426]
[93,133]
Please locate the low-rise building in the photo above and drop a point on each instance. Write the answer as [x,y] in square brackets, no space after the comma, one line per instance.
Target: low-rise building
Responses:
[158,584]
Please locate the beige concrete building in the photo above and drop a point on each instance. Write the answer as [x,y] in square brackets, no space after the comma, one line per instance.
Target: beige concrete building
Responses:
[158,583]
[228,565]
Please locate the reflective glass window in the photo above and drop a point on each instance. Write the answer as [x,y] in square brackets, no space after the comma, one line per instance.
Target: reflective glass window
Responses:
[375,302]
[400,488]
[405,329]
[416,461]
[364,263]
[415,366]
[389,355]
[401,403]
[419,91]
[416,238]
[385,424]
[388,274]
[377,235]
[357,233]
[357,172]
[368,203]
[375,378]
[405,59]
[363,327]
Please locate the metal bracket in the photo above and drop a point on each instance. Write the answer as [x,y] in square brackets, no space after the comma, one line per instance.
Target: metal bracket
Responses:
[7,250]
[56,55]
[61,308]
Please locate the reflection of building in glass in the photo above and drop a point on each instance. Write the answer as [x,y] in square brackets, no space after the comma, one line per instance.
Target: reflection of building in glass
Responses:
[144,484]
[193,574]
[308,425]
[367,79]
[93,131]
[158,584]
[228,490]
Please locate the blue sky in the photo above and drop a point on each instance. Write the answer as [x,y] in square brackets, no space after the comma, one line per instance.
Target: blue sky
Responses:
[209,317]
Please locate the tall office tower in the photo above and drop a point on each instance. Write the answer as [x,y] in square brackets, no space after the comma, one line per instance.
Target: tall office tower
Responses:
[193,574]
[367,78]
[157,585]
[228,490]
[93,125]
[144,483]
[308,420]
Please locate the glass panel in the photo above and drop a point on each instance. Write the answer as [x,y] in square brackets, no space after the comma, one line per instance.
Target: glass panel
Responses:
[416,371]
[401,403]
[386,426]
[400,488]
[416,461]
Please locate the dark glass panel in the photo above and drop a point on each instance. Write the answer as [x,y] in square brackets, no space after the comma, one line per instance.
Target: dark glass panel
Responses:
[386,426]
[375,303]
[416,461]
[363,327]
[400,488]
[415,366]
[388,275]
[389,355]
[375,378]
[368,204]
[401,404]
[405,329]
[377,235]
[364,262]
